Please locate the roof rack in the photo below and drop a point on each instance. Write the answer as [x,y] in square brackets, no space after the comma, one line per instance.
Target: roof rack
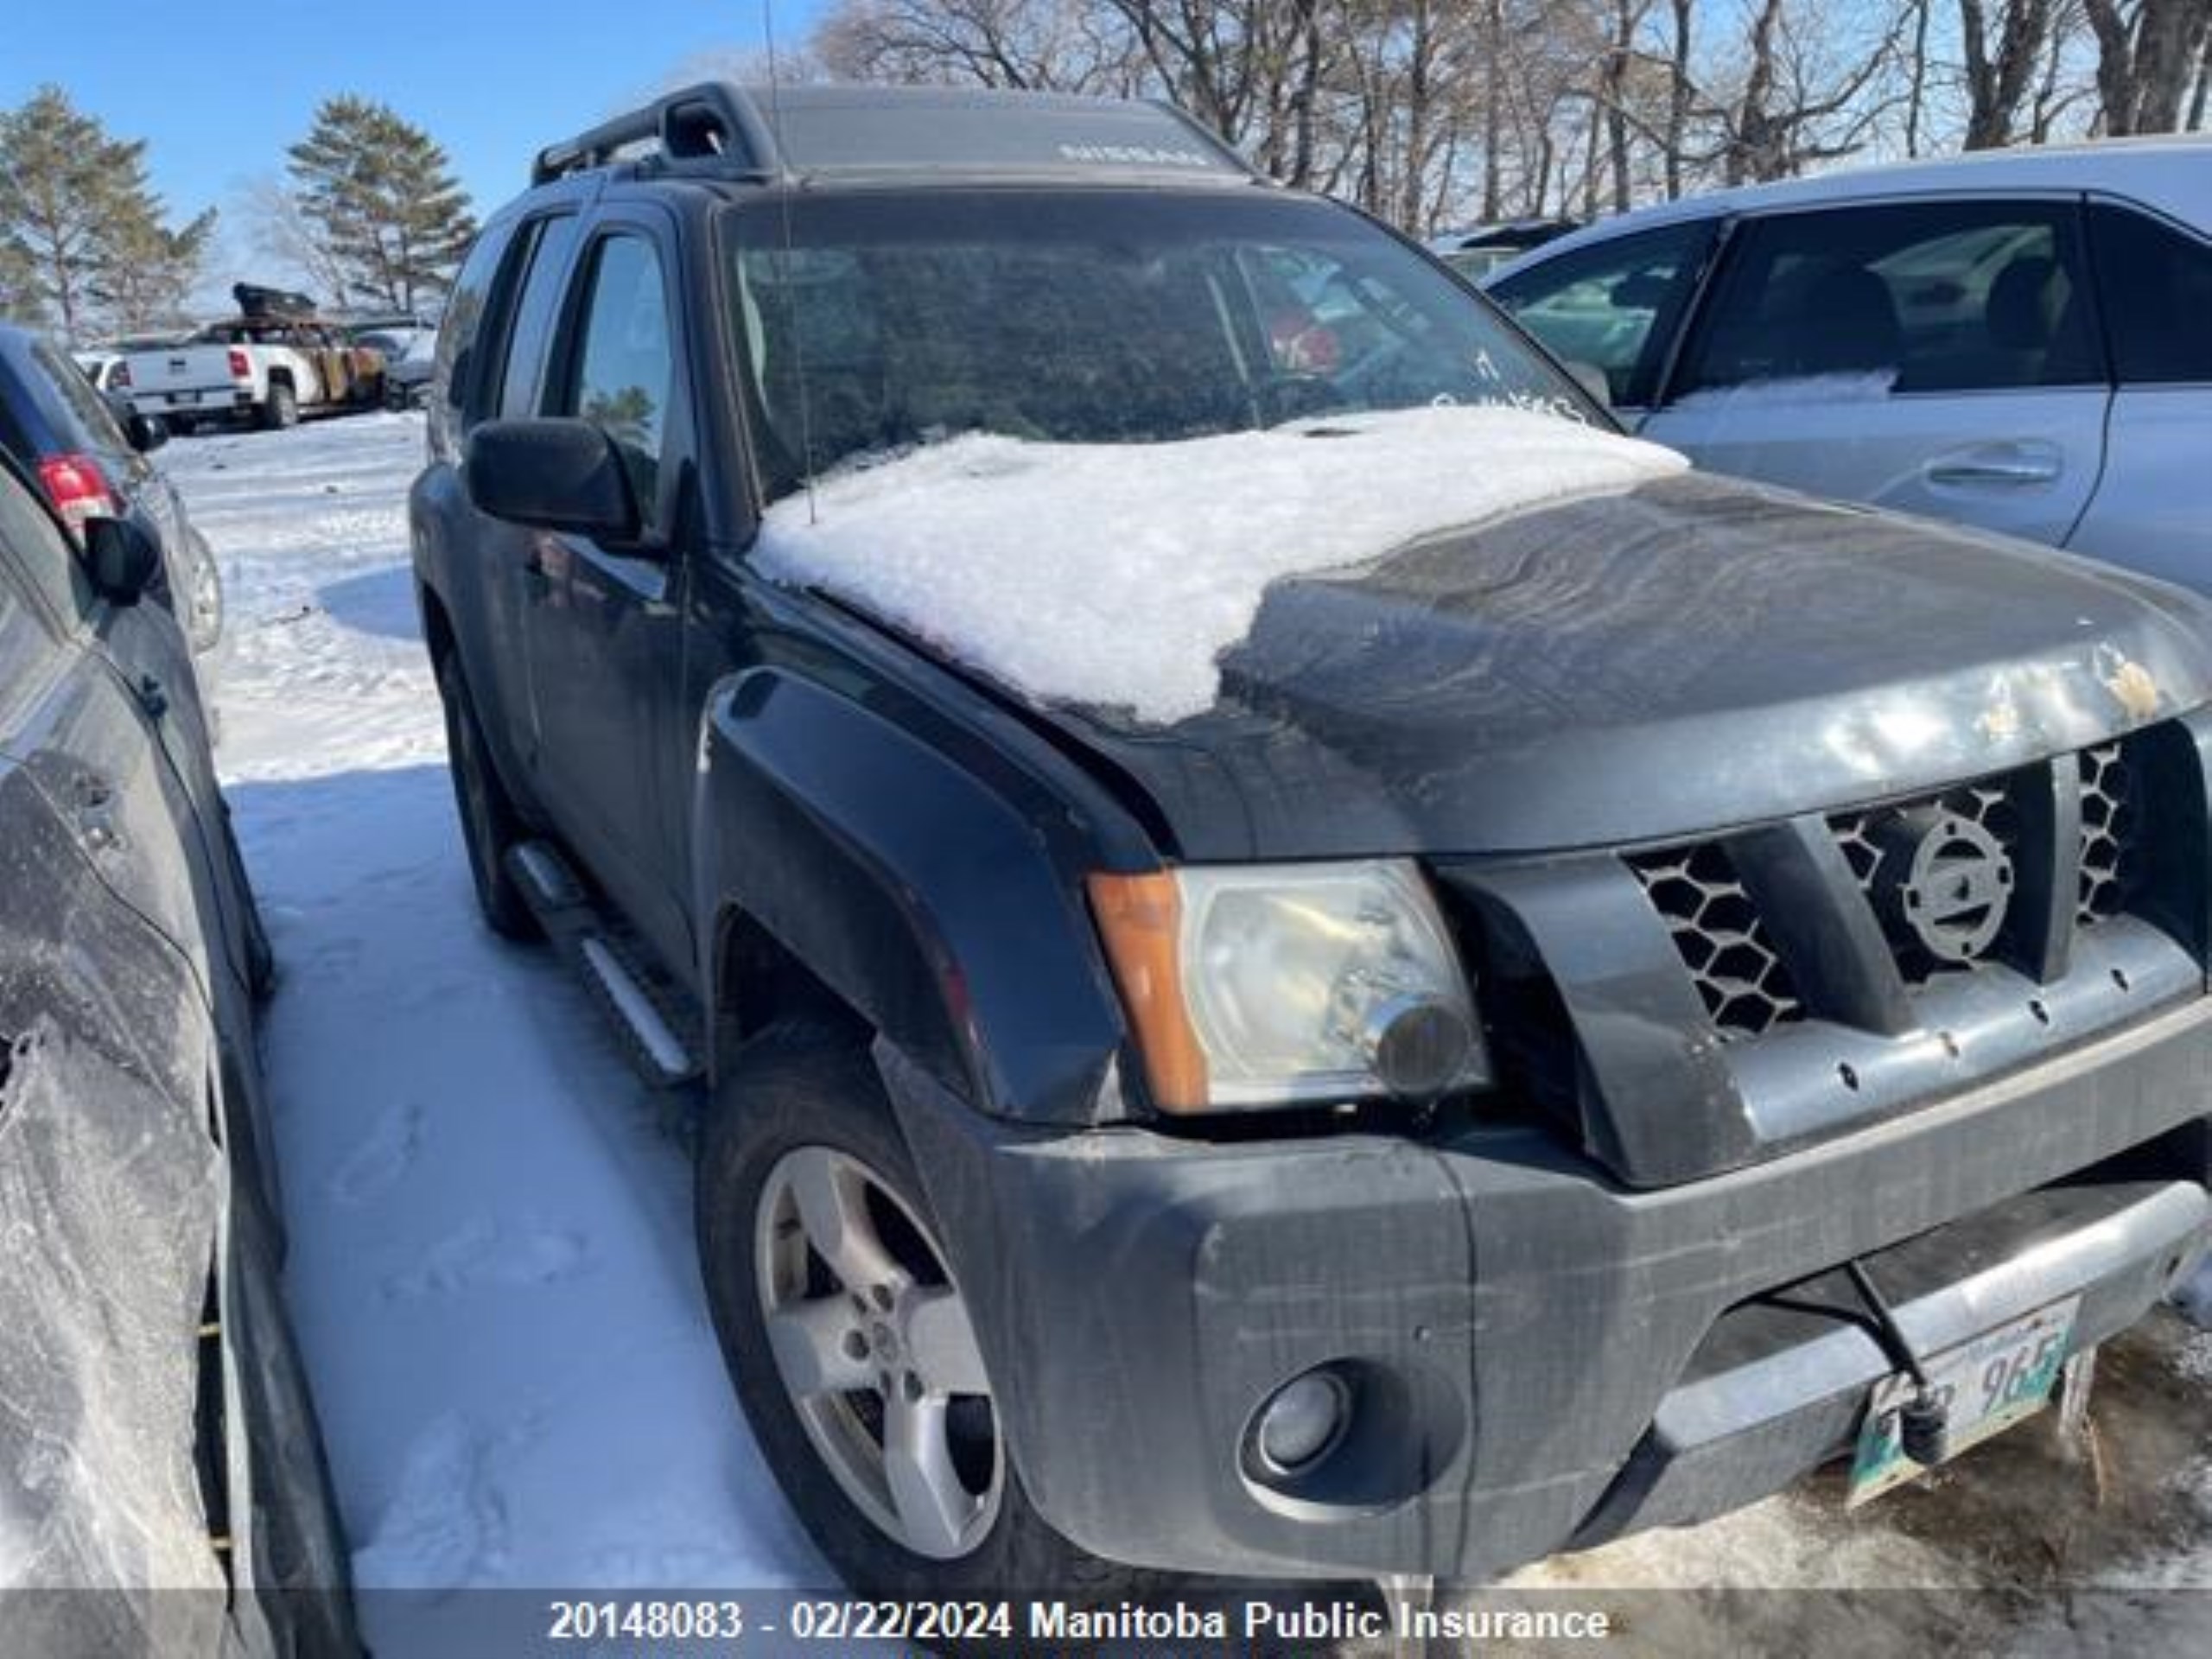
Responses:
[781,132]
[711,122]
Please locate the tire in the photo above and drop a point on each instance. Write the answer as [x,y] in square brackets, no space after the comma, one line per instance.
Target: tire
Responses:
[281,408]
[807,1099]
[489,823]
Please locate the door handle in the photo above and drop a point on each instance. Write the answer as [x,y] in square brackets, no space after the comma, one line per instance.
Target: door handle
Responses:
[2008,464]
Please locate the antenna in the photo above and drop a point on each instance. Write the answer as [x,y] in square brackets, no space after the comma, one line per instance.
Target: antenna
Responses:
[790,293]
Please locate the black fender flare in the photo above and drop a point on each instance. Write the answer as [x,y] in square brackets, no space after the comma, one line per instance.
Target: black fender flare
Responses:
[945,911]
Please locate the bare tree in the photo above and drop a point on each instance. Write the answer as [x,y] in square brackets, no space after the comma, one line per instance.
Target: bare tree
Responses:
[279,232]
[1432,110]
[2001,60]
[2203,92]
[1018,45]
[2147,54]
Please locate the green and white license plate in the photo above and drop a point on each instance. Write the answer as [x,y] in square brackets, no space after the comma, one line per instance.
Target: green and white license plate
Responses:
[1989,1384]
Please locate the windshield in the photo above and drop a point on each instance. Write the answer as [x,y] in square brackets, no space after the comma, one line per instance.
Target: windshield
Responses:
[1099,317]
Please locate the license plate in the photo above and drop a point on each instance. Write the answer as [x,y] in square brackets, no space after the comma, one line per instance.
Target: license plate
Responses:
[176,397]
[1987,1385]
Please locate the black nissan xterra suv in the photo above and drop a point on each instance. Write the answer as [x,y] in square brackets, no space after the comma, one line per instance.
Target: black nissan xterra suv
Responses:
[1604,1008]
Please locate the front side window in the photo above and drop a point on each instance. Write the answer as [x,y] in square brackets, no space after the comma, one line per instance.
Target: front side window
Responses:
[1924,296]
[1615,305]
[873,323]
[2157,288]
[623,364]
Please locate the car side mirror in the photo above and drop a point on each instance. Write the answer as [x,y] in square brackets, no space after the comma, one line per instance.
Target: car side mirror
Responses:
[122,559]
[552,474]
[145,432]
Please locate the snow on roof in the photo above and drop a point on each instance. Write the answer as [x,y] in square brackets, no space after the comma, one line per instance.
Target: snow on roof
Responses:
[1114,576]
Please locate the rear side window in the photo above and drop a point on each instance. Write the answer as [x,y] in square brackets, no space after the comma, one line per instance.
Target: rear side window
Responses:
[516,387]
[1924,296]
[2157,288]
[1616,306]
[622,363]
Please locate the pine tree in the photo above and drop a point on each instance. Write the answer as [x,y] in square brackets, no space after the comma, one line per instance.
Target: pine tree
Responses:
[20,300]
[382,202]
[146,271]
[83,238]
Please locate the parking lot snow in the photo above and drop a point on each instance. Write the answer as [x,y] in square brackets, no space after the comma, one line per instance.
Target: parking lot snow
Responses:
[491,1265]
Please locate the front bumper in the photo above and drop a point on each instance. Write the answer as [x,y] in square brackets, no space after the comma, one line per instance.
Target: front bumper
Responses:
[1546,1359]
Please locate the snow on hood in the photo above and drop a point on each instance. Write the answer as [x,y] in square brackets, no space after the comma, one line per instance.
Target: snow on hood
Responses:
[1114,576]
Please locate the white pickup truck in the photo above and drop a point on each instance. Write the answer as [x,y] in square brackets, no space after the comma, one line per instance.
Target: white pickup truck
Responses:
[273,363]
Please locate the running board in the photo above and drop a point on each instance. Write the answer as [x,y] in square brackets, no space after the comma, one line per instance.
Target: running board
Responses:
[651,1015]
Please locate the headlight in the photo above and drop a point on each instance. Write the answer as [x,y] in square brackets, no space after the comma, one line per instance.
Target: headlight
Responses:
[1279,985]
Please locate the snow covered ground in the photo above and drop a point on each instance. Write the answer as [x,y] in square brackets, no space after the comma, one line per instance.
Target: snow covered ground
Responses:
[492,1269]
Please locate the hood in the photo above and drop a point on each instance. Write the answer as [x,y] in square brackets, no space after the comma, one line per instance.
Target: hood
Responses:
[1686,656]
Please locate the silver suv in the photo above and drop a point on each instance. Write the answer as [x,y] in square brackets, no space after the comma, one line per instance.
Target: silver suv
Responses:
[2019,340]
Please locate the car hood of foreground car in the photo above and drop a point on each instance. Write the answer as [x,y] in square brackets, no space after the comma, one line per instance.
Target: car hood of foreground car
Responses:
[1687,656]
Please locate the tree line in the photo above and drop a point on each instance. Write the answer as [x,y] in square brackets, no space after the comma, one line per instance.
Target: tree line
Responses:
[368,213]
[1435,112]
[1427,112]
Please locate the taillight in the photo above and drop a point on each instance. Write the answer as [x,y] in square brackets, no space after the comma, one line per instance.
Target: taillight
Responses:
[78,489]
[240,369]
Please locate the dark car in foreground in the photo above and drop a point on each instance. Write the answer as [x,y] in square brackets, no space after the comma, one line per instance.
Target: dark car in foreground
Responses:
[92,463]
[1305,961]
[161,1486]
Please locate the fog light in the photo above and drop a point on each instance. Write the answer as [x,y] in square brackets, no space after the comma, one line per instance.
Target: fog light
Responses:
[1301,1422]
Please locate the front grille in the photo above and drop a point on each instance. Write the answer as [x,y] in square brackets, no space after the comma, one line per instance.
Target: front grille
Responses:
[1743,981]
[1957,879]
[1880,844]
[2108,822]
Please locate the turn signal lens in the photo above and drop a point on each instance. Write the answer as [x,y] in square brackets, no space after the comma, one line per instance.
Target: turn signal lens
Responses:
[1139,920]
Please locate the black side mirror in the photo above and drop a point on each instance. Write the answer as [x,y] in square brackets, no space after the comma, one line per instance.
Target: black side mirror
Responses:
[145,432]
[122,559]
[552,474]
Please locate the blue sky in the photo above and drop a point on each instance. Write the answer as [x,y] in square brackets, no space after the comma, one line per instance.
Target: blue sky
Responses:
[218,88]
